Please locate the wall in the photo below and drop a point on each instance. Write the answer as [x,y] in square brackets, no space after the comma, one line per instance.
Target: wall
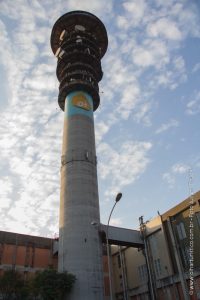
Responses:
[163,263]
[25,253]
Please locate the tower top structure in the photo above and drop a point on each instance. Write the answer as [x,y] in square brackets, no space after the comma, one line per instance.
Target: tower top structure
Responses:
[90,22]
[79,41]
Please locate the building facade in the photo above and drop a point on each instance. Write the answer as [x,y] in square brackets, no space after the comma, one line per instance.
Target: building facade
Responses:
[169,265]
[29,254]
[166,267]
[26,254]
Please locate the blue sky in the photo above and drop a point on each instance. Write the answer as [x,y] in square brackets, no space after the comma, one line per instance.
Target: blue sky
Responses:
[147,126]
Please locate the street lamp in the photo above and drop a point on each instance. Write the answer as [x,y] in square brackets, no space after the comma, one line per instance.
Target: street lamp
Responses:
[118,197]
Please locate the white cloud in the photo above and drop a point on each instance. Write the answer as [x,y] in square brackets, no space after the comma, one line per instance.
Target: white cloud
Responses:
[143,113]
[42,83]
[196,68]
[141,57]
[101,129]
[193,106]
[136,8]
[180,168]
[128,101]
[153,53]
[164,28]
[123,166]
[171,176]
[95,6]
[122,22]
[116,221]
[188,17]
[179,64]
[29,127]
[120,80]
[5,192]
[164,127]
[166,3]
[169,179]
[172,74]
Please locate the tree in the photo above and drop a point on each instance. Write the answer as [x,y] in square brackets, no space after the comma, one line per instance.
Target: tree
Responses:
[46,285]
[12,285]
[52,285]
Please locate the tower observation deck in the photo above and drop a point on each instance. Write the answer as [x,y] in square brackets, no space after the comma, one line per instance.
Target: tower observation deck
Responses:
[79,41]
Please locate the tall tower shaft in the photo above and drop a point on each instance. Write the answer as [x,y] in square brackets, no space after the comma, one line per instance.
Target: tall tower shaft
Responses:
[79,40]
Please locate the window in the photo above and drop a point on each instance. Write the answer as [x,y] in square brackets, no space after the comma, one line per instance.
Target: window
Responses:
[142,271]
[198,217]
[157,267]
[153,244]
[119,261]
[185,253]
[181,231]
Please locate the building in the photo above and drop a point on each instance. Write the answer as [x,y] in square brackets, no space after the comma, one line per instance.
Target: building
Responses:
[169,265]
[26,254]
[29,254]
[166,265]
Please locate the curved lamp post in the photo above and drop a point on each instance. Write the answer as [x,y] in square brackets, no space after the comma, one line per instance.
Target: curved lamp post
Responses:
[118,197]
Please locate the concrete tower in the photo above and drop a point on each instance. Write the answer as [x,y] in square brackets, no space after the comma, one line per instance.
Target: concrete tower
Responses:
[79,41]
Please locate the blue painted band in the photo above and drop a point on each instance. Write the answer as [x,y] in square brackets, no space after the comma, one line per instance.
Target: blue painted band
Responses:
[79,103]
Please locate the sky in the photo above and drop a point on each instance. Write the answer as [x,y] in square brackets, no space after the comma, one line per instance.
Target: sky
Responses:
[147,125]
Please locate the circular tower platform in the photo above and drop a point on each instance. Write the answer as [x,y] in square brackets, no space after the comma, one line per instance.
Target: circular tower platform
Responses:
[79,40]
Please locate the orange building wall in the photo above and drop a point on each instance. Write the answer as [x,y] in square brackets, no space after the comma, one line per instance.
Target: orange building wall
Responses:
[25,253]
[29,254]
[7,253]
[23,256]
[42,258]
[20,259]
